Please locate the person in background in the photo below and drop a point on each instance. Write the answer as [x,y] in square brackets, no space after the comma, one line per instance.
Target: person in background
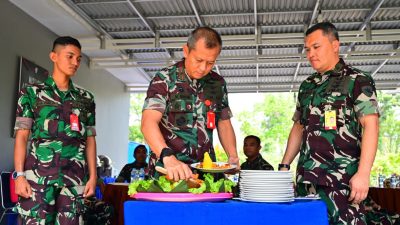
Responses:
[336,155]
[140,155]
[251,148]
[184,104]
[59,170]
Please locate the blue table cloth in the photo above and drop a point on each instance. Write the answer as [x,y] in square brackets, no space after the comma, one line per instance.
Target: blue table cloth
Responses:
[229,212]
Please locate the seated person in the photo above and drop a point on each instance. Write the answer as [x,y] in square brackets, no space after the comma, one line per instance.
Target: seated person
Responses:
[140,155]
[251,148]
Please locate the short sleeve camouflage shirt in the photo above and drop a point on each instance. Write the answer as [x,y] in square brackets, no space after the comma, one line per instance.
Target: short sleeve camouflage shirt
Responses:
[258,163]
[57,153]
[181,100]
[330,157]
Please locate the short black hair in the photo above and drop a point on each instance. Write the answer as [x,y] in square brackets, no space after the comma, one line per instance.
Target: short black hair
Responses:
[255,138]
[327,29]
[66,40]
[210,36]
[137,148]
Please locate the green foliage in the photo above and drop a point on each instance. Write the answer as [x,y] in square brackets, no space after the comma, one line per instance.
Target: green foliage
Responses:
[135,112]
[389,135]
[271,121]
[220,153]
[387,158]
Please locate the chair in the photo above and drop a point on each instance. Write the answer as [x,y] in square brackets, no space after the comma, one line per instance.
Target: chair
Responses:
[5,194]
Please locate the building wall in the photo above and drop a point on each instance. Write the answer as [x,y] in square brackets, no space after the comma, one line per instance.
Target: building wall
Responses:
[21,35]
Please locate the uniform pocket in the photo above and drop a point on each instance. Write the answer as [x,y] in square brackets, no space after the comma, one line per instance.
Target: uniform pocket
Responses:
[51,126]
[181,114]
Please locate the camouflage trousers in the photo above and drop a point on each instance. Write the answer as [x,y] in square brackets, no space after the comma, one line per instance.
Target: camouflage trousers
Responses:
[375,215]
[382,218]
[52,205]
[97,212]
[340,210]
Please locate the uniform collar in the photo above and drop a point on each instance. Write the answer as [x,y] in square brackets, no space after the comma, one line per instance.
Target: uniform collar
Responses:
[182,75]
[337,70]
[255,160]
[51,83]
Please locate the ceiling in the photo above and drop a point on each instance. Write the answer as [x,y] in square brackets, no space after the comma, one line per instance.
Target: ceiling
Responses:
[262,39]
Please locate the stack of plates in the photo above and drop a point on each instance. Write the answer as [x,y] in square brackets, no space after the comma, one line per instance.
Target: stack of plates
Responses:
[266,186]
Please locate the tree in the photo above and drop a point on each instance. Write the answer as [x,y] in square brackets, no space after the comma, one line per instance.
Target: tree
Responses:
[135,112]
[387,159]
[389,123]
[271,121]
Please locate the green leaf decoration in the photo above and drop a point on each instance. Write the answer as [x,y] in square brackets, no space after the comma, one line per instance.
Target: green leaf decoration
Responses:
[181,187]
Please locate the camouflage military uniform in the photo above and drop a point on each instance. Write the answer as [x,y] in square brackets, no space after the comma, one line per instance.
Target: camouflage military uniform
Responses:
[55,166]
[181,100]
[257,164]
[97,212]
[330,157]
[375,215]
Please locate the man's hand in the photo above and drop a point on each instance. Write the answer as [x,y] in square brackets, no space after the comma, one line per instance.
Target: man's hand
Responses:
[22,187]
[235,162]
[359,185]
[90,188]
[176,169]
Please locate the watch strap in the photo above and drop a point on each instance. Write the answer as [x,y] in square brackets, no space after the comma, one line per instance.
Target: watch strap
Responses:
[166,152]
[282,165]
[16,174]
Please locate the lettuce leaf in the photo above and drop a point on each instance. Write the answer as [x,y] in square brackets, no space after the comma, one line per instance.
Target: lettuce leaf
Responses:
[228,185]
[139,185]
[180,187]
[220,186]
[216,186]
[199,190]
[165,185]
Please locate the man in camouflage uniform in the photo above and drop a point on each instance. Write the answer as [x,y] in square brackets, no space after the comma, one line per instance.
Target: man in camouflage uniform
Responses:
[60,168]
[335,129]
[251,148]
[184,103]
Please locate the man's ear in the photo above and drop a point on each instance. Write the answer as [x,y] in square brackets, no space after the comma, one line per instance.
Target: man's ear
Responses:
[259,148]
[185,50]
[53,56]
[336,46]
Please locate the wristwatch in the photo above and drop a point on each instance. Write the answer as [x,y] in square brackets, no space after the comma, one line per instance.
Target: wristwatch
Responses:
[280,166]
[16,174]
[166,152]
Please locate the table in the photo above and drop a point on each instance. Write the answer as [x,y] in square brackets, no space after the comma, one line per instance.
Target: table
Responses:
[388,198]
[116,194]
[229,212]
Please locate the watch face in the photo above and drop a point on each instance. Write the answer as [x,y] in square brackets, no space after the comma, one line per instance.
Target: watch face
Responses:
[16,174]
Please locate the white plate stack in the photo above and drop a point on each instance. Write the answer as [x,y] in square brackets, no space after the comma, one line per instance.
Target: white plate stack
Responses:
[266,186]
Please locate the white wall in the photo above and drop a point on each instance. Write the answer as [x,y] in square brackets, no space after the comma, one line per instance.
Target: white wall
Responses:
[21,35]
